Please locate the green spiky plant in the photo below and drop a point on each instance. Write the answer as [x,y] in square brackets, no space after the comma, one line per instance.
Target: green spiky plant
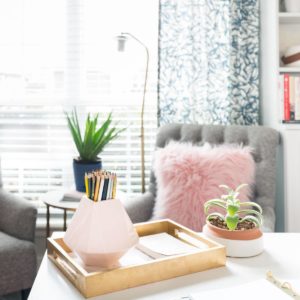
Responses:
[236,211]
[95,137]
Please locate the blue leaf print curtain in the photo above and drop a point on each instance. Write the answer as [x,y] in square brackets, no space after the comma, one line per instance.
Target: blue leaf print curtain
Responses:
[208,61]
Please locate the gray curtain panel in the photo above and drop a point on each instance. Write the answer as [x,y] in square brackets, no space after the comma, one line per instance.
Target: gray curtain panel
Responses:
[209,61]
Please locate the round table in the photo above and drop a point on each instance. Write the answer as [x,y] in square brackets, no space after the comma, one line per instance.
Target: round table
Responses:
[55,199]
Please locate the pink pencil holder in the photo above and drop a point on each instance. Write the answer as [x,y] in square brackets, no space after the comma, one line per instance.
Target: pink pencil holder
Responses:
[100,232]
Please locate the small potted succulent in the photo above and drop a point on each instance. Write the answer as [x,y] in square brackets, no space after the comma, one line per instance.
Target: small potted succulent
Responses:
[90,145]
[239,227]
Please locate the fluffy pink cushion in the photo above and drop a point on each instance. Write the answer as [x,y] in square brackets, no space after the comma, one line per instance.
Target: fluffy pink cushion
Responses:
[187,176]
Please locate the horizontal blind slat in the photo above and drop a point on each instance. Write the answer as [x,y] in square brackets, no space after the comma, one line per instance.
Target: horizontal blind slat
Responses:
[69,65]
[37,154]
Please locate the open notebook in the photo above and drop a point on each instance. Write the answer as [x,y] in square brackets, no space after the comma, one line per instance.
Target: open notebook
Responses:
[162,245]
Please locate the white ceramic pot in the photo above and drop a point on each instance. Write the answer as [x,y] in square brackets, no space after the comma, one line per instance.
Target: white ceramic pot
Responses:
[100,232]
[236,244]
[292,6]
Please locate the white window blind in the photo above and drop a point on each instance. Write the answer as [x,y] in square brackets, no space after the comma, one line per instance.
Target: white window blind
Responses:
[58,54]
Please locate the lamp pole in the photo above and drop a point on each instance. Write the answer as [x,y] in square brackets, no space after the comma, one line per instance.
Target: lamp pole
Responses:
[122,39]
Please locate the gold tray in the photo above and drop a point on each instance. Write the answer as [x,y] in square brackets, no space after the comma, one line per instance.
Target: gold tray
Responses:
[92,283]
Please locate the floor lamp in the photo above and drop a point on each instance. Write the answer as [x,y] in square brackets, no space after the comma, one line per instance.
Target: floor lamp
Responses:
[122,38]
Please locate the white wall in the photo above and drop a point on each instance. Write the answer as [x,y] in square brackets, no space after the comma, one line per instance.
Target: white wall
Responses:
[270,115]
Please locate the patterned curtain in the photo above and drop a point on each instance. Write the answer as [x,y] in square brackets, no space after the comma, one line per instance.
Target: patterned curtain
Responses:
[208,56]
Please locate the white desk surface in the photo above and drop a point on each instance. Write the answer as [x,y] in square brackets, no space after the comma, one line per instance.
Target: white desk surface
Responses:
[281,256]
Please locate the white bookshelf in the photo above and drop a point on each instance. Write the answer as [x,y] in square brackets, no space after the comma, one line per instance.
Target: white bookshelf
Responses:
[280,30]
[288,18]
[289,70]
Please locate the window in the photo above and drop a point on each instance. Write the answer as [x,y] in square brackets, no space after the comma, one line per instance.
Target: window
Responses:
[58,54]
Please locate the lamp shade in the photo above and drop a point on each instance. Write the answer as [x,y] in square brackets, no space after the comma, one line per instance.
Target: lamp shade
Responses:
[121,42]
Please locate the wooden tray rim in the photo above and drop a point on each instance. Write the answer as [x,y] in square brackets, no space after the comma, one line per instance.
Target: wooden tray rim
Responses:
[80,269]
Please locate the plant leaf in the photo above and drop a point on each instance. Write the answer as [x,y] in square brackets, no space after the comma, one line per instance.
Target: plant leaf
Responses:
[227,188]
[75,132]
[251,212]
[241,186]
[214,202]
[100,133]
[257,221]
[232,221]
[215,214]
[252,204]
[111,135]
[76,122]
[95,139]
[88,139]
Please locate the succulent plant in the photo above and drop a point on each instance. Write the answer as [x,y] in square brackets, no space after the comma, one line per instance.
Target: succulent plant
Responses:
[95,137]
[236,211]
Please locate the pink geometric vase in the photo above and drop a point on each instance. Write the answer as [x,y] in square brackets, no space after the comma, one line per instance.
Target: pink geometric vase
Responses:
[100,232]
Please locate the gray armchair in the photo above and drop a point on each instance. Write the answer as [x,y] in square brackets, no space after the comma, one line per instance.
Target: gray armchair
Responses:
[17,251]
[264,142]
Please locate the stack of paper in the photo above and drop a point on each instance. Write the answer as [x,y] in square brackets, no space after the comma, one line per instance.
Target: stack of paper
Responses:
[162,245]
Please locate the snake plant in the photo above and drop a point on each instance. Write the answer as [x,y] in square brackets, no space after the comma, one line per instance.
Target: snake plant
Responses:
[236,211]
[95,137]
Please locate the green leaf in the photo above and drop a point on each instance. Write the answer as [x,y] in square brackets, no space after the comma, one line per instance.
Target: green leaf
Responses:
[255,220]
[214,202]
[102,130]
[95,139]
[88,139]
[227,188]
[252,204]
[215,214]
[76,122]
[112,134]
[241,186]
[232,209]
[251,212]
[232,221]
[74,132]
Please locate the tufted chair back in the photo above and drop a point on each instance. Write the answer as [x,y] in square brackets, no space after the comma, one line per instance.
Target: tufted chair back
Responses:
[263,140]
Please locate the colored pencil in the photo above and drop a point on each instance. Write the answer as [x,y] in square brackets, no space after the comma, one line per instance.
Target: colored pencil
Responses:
[86,185]
[93,187]
[100,185]
[97,187]
[104,194]
[101,188]
[110,184]
[114,187]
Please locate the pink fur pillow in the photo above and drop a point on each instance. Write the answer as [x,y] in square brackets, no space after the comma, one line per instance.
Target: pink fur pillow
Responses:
[187,176]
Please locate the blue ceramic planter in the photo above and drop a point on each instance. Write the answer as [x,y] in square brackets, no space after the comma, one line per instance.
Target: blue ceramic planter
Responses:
[80,168]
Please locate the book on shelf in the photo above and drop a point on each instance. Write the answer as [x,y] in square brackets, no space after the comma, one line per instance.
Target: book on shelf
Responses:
[291,122]
[297,98]
[292,97]
[289,98]
[286,93]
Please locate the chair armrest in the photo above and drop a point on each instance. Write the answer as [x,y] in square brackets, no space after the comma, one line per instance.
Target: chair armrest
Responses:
[17,216]
[268,207]
[139,209]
